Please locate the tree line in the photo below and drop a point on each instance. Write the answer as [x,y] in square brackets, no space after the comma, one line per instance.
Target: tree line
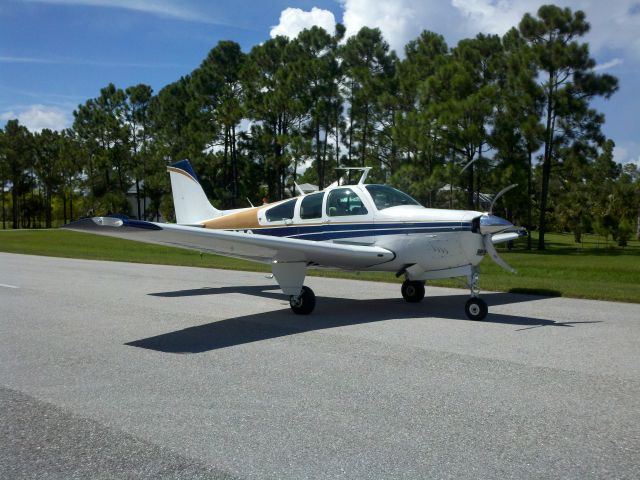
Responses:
[445,123]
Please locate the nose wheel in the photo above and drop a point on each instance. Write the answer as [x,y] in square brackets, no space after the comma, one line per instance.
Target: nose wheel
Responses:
[475,308]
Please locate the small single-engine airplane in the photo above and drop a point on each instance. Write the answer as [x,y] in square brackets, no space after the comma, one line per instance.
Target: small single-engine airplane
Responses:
[363,227]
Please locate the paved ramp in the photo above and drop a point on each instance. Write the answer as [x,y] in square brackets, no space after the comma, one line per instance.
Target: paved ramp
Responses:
[142,371]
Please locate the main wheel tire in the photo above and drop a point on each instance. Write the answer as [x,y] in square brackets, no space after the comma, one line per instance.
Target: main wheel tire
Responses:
[476,309]
[412,291]
[304,303]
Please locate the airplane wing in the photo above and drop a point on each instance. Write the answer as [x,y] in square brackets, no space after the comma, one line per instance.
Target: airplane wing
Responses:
[248,246]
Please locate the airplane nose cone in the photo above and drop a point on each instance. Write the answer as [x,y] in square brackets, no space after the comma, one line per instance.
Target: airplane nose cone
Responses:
[492,224]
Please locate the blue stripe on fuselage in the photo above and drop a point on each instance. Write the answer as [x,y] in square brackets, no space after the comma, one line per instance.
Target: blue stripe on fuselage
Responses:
[334,231]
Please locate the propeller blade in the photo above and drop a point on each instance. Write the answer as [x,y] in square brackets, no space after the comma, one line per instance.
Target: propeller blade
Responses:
[491,250]
[499,194]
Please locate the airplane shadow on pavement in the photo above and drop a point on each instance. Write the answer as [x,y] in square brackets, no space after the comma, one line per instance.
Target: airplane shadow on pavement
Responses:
[330,313]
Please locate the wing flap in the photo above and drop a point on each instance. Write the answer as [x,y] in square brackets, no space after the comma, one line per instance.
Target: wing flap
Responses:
[249,246]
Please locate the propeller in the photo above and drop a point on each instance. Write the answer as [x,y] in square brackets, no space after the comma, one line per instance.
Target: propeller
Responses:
[490,224]
[499,194]
[491,250]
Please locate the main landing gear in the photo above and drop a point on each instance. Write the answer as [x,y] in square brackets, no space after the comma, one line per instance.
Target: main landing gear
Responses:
[413,291]
[304,303]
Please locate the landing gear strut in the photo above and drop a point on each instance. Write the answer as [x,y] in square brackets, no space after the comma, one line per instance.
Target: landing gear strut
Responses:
[475,308]
[413,291]
[303,303]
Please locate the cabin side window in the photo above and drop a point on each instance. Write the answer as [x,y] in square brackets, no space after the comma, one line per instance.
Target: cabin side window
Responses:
[281,212]
[344,202]
[311,206]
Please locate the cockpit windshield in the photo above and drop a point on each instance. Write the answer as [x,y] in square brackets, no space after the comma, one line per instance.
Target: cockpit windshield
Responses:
[385,196]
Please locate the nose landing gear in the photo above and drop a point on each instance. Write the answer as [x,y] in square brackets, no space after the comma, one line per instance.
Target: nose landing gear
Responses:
[475,308]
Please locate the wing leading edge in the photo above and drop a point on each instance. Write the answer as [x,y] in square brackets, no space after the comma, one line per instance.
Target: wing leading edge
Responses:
[248,246]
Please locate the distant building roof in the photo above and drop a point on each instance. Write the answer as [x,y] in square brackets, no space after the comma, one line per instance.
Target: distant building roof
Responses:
[132,189]
[308,187]
[483,197]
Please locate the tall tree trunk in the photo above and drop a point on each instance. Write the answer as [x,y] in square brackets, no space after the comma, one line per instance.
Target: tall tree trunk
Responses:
[70,201]
[14,206]
[364,135]
[234,165]
[64,206]
[350,150]
[470,183]
[319,166]
[226,166]
[337,138]
[4,212]
[47,207]
[138,197]
[529,188]
[324,153]
[479,183]
[144,192]
[546,166]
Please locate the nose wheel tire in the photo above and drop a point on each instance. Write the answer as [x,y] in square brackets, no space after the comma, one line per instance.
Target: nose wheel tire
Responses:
[304,303]
[476,309]
[413,291]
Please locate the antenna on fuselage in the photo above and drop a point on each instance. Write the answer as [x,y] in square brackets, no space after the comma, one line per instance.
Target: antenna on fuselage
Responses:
[299,189]
[363,177]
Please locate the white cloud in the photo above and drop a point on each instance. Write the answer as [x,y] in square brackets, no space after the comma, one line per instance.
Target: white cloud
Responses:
[90,63]
[164,8]
[495,17]
[627,152]
[38,117]
[399,20]
[614,25]
[294,20]
[607,65]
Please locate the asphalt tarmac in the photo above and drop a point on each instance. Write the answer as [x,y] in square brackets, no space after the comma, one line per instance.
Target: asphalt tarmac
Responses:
[117,370]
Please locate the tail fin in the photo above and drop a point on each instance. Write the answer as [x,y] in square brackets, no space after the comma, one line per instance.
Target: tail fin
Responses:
[191,204]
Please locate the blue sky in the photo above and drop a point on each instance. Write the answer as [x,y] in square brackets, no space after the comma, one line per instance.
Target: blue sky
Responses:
[55,54]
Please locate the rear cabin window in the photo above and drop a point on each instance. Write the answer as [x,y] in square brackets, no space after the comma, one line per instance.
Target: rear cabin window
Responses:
[311,206]
[385,196]
[281,212]
[344,202]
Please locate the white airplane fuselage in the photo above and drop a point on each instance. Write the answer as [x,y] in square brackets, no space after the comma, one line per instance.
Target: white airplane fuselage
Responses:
[427,242]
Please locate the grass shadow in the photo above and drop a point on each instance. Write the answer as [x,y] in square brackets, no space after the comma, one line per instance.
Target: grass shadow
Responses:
[544,292]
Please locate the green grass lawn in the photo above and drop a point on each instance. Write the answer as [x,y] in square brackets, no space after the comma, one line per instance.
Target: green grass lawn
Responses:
[592,269]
